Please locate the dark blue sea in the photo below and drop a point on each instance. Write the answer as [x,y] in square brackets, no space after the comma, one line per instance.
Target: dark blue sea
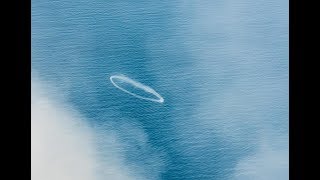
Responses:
[221,67]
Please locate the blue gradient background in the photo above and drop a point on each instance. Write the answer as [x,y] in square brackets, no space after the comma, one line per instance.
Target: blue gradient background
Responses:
[221,67]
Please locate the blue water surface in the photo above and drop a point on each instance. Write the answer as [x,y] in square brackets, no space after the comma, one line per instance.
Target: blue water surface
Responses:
[221,67]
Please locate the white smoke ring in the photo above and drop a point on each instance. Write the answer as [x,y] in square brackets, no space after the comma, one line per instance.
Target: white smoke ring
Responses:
[138,85]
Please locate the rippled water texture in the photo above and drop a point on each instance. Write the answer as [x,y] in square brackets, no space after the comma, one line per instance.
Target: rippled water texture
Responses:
[203,95]
[125,80]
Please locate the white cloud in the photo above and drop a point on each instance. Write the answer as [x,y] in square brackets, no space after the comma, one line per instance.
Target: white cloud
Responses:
[60,146]
[63,146]
[266,163]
